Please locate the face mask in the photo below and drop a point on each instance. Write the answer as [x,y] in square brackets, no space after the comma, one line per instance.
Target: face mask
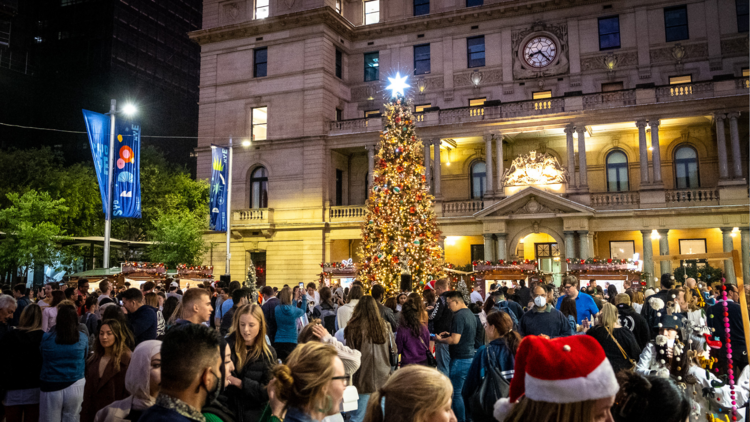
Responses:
[214,393]
[540,301]
[351,396]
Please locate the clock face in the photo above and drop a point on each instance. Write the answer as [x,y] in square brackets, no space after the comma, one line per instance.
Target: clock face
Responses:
[540,51]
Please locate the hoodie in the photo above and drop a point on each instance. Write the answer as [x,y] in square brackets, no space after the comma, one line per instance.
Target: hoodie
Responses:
[636,323]
[286,321]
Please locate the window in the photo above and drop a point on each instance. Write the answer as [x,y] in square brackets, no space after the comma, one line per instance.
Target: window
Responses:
[477,253]
[475,51]
[338,63]
[372,66]
[612,86]
[472,3]
[478,179]
[676,23]
[338,6]
[617,172]
[609,33]
[261,9]
[686,168]
[477,102]
[259,188]
[540,95]
[338,115]
[421,59]
[745,72]
[339,187]
[260,62]
[676,80]
[421,7]
[259,127]
[742,15]
[372,113]
[420,108]
[372,12]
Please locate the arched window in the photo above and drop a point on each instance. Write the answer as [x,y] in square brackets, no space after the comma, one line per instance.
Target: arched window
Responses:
[686,168]
[478,179]
[617,172]
[259,188]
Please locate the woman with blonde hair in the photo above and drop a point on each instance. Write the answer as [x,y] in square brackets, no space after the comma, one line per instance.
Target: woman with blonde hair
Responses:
[106,369]
[619,343]
[152,300]
[404,403]
[638,299]
[253,359]
[311,383]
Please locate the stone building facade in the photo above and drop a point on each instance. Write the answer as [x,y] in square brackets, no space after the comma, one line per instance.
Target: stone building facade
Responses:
[637,111]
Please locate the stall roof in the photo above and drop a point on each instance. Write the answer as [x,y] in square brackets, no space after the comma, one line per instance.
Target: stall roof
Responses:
[99,241]
[103,272]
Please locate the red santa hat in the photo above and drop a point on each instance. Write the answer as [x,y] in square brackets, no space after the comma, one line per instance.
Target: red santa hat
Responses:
[430,285]
[563,370]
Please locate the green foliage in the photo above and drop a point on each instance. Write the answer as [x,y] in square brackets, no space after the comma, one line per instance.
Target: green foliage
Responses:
[708,273]
[31,233]
[178,239]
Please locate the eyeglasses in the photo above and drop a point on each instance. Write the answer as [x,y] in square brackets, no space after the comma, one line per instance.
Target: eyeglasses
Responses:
[346,378]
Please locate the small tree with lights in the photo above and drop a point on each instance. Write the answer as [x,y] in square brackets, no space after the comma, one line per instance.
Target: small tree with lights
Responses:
[400,232]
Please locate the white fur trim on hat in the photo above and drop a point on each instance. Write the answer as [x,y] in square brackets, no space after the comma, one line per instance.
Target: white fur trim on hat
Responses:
[503,407]
[598,384]
[656,303]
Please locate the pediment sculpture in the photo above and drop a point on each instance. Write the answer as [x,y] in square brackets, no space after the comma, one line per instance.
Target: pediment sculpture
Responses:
[535,169]
[533,206]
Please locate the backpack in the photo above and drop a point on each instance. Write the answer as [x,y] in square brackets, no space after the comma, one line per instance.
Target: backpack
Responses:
[492,388]
[327,317]
[504,307]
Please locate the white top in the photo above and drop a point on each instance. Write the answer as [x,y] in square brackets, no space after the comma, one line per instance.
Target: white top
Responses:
[344,313]
[49,318]
[637,307]
[476,297]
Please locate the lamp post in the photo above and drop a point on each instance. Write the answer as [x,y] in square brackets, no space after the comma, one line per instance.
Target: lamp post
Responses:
[128,110]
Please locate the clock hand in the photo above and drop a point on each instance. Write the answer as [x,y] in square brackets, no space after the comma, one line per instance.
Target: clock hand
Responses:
[545,56]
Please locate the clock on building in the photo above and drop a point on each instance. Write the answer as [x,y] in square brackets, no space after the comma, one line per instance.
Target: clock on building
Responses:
[540,51]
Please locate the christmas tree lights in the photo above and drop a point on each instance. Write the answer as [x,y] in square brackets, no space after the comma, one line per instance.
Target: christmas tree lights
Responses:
[400,230]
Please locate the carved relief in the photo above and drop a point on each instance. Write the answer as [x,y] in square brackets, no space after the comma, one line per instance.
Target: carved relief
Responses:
[734,47]
[365,92]
[488,77]
[598,62]
[533,206]
[434,83]
[559,65]
[233,12]
[534,169]
[688,52]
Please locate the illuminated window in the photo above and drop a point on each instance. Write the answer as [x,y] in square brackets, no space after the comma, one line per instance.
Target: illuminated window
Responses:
[477,102]
[261,9]
[617,171]
[259,188]
[420,108]
[609,33]
[259,127]
[421,59]
[475,51]
[612,86]
[540,95]
[676,23]
[372,12]
[372,66]
[338,6]
[686,168]
[676,80]
[745,72]
[478,179]
[260,62]
[372,113]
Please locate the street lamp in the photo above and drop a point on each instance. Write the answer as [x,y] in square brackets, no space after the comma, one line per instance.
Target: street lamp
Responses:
[128,110]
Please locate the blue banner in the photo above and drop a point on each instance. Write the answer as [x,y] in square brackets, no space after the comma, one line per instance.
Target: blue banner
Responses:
[218,197]
[126,189]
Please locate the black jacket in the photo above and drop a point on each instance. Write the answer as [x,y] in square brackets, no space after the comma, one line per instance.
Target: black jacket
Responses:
[715,316]
[613,353]
[650,314]
[269,311]
[635,323]
[226,321]
[442,316]
[248,403]
[20,360]
[524,295]
[143,324]
[388,316]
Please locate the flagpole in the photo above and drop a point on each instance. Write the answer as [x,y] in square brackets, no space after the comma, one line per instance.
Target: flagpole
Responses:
[229,204]
[110,171]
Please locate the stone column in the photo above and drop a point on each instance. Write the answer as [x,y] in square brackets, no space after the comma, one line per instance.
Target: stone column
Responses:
[721,146]
[745,240]
[643,151]
[436,167]
[427,157]
[570,245]
[571,156]
[488,162]
[592,250]
[726,234]
[583,243]
[664,266]
[656,153]
[648,258]
[734,135]
[370,165]
[499,189]
[441,243]
[583,176]
[502,246]
[488,252]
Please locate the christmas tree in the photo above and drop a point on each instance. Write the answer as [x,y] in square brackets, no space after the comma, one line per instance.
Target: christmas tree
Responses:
[400,229]
[252,281]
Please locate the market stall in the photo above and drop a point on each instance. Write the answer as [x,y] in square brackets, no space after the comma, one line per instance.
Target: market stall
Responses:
[135,273]
[622,273]
[193,275]
[338,274]
[510,272]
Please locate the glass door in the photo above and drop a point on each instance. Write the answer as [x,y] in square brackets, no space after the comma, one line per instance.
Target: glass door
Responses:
[548,259]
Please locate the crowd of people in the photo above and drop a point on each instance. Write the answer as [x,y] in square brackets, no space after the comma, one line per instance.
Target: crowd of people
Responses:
[305,353]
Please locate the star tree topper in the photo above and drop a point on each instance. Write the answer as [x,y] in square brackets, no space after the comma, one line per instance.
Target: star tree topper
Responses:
[398,84]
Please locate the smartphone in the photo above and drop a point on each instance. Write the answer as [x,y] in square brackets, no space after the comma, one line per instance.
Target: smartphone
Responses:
[432,337]
[302,285]
[445,336]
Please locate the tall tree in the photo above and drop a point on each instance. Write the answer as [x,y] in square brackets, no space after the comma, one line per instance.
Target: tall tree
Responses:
[400,230]
[178,239]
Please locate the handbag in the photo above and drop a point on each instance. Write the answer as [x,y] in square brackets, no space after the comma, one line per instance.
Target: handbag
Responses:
[492,388]
[431,360]
[625,355]
[393,352]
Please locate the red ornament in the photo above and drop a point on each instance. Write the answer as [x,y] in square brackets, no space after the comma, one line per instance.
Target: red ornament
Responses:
[412,210]
[526,261]
[502,262]
[609,261]
[583,261]
[515,262]
[567,260]
[400,169]
[395,260]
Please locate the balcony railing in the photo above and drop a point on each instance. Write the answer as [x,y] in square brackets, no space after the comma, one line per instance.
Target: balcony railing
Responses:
[457,208]
[684,92]
[608,100]
[615,200]
[252,216]
[692,196]
[347,213]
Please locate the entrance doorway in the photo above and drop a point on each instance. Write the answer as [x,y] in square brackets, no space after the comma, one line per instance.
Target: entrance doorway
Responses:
[259,260]
[548,258]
